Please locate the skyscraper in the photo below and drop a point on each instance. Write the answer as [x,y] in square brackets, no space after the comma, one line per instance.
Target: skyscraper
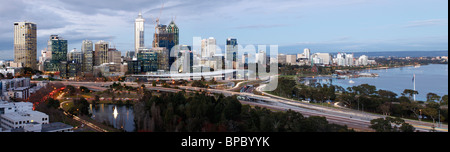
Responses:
[167,37]
[25,44]
[114,56]
[101,53]
[173,29]
[148,60]
[58,48]
[211,46]
[88,56]
[139,32]
[231,53]
[75,56]
[307,53]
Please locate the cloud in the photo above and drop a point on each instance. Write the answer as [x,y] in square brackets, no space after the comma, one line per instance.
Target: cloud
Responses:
[260,26]
[430,22]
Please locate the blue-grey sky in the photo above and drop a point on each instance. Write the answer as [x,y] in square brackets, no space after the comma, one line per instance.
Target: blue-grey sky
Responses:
[321,25]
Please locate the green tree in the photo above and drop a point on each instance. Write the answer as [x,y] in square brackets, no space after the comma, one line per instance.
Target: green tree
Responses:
[410,93]
[444,100]
[432,97]
[390,124]
[52,103]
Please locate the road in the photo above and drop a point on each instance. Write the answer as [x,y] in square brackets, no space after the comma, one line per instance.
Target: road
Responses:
[88,124]
[352,118]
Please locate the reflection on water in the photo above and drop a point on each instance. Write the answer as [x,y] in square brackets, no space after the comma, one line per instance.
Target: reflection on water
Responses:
[120,117]
[429,78]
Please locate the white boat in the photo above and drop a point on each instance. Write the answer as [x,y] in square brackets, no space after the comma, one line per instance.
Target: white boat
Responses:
[351,81]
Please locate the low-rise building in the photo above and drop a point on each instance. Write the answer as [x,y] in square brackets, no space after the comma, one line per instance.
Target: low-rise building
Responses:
[20,117]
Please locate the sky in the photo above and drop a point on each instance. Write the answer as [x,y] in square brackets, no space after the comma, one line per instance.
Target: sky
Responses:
[321,25]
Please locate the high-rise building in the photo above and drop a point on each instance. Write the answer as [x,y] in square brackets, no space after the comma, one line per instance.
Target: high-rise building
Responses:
[363,60]
[307,53]
[139,32]
[162,38]
[261,58]
[74,63]
[25,44]
[45,55]
[173,29]
[101,53]
[344,59]
[148,60]
[129,54]
[75,56]
[88,56]
[163,58]
[211,46]
[321,58]
[204,50]
[114,56]
[231,53]
[58,48]
[185,59]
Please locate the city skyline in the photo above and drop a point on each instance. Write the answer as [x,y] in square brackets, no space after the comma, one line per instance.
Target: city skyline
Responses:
[325,26]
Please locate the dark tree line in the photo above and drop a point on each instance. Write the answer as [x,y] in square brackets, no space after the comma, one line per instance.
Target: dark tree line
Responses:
[368,98]
[179,112]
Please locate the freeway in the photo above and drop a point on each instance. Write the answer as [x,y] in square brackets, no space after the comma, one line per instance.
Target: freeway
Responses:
[352,118]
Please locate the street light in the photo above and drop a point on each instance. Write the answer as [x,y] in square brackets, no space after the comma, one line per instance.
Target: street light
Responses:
[420,118]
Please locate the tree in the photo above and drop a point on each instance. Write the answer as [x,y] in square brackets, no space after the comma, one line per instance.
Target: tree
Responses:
[385,108]
[410,93]
[390,124]
[444,100]
[81,107]
[412,106]
[432,97]
[70,90]
[52,103]
[431,110]
[387,95]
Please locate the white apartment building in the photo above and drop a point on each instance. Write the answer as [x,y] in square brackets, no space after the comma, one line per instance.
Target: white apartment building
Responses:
[321,58]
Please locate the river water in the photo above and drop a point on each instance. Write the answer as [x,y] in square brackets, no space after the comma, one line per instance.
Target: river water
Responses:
[429,78]
[123,119]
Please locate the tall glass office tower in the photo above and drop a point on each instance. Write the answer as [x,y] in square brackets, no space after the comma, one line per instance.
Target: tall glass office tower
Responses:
[88,56]
[25,44]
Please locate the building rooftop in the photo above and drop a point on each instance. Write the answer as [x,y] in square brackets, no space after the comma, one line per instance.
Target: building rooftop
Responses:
[55,126]
[21,116]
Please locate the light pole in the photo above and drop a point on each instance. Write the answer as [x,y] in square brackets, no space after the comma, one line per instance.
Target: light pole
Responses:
[420,118]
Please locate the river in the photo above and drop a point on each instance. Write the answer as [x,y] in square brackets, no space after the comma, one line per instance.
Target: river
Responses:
[429,78]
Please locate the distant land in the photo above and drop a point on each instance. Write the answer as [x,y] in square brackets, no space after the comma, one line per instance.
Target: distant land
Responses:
[376,54]
[391,53]
[402,53]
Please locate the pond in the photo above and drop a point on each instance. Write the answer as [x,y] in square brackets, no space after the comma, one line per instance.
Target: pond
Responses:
[120,117]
